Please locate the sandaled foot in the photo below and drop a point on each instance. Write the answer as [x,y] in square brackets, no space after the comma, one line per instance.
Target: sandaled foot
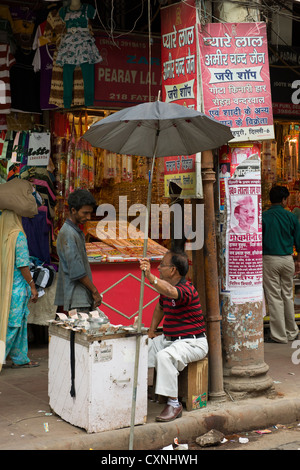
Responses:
[26,366]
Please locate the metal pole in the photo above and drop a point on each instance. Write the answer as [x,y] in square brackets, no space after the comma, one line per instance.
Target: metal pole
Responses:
[139,324]
[213,317]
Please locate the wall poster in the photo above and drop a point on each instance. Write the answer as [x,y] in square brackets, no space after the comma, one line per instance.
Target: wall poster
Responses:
[244,227]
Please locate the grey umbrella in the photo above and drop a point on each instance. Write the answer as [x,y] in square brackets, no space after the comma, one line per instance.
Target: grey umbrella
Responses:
[158,129]
[155,129]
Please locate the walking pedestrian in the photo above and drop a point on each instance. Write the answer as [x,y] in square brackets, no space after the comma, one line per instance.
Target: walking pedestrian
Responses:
[281,233]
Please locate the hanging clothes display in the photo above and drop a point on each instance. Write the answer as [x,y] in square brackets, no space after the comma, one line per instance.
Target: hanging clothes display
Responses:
[7,60]
[78,47]
[52,34]
[84,156]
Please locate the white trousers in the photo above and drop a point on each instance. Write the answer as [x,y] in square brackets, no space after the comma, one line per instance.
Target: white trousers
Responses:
[278,288]
[171,357]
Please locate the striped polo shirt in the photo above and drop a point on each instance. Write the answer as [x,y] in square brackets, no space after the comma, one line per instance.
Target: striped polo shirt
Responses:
[183,316]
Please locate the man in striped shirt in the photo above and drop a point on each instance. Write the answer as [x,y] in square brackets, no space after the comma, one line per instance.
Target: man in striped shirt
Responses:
[183,339]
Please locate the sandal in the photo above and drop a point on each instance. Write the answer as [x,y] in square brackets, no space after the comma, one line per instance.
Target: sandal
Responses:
[25,366]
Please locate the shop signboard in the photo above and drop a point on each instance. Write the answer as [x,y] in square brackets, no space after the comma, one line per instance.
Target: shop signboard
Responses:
[285,80]
[128,74]
[180,85]
[235,78]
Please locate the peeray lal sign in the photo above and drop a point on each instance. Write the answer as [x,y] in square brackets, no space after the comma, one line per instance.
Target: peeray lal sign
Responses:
[235,78]
[125,77]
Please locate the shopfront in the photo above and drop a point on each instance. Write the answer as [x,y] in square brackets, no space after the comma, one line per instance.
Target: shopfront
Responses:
[127,74]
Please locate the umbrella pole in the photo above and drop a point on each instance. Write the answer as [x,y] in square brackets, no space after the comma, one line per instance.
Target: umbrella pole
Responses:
[139,324]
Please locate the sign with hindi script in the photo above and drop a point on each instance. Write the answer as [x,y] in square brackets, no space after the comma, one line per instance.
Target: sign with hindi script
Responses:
[235,78]
[179,85]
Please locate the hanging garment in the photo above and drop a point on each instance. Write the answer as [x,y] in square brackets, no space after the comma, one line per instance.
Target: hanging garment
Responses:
[70,176]
[24,83]
[6,62]
[43,63]
[53,32]
[84,177]
[78,47]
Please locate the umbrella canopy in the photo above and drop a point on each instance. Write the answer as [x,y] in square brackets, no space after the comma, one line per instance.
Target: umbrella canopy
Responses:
[158,128]
[155,129]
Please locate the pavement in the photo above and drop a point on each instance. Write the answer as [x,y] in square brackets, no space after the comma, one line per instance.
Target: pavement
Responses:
[27,422]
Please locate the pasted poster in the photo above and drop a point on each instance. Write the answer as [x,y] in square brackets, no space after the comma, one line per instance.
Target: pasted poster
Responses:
[230,157]
[183,170]
[179,85]
[235,78]
[244,227]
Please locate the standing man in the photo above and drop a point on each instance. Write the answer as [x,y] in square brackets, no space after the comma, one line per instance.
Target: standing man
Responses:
[183,339]
[75,288]
[281,232]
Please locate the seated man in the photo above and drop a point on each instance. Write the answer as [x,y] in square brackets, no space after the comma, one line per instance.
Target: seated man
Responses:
[183,339]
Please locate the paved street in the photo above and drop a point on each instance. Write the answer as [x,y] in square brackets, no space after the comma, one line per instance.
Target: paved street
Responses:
[280,437]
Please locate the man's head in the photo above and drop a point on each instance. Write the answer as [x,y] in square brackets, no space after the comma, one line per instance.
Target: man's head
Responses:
[279,195]
[174,266]
[81,205]
[245,211]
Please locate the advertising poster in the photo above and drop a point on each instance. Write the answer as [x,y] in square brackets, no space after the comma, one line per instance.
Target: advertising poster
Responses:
[235,78]
[230,157]
[123,77]
[179,85]
[244,227]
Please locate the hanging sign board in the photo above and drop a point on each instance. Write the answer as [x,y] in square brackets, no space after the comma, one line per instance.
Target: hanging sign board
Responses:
[128,75]
[180,85]
[235,78]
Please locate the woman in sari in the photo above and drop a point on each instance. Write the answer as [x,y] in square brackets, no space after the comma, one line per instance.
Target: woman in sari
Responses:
[16,289]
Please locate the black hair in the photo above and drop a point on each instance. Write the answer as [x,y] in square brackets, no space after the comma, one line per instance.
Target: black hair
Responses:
[80,198]
[181,262]
[278,193]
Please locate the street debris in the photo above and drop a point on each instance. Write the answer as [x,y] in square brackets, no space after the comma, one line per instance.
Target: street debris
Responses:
[177,446]
[263,431]
[243,440]
[46,427]
[211,438]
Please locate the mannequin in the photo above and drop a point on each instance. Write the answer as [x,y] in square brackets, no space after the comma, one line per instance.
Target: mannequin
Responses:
[78,48]
[75,5]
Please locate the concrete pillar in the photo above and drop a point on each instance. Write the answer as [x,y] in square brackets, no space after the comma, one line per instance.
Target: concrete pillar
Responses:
[245,372]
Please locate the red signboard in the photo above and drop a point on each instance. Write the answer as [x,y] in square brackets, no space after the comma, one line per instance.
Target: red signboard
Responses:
[179,53]
[128,74]
[180,84]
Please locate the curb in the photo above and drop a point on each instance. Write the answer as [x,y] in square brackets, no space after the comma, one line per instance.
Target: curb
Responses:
[155,436]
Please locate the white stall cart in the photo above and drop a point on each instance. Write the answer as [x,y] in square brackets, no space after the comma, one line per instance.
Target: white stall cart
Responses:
[90,381]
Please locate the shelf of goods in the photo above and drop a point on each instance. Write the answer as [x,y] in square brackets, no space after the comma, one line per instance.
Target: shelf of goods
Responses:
[116,273]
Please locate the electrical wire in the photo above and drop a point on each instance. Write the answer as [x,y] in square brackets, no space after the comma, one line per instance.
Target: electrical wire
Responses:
[111,33]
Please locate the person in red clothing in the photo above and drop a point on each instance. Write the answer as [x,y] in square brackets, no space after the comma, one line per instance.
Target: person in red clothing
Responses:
[184,333]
